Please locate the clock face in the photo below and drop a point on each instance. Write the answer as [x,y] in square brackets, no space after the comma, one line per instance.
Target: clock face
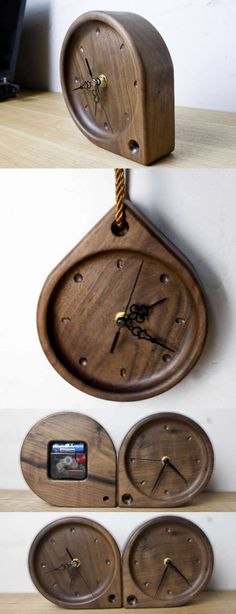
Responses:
[166,563]
[99,78]
[74,562]
[124,324]
[164,461]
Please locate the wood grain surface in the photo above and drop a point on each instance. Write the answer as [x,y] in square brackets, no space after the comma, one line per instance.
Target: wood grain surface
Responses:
[166,562]
[76,562]
[145,480]
[134,114]
[37,132]
[79,303]
[98,489]
[27,501]
[209,602]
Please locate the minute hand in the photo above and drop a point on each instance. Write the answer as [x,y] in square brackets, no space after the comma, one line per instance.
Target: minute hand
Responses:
[142,333]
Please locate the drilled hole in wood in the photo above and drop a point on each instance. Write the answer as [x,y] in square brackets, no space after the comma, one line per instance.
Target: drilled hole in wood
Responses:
[132,600]
[133,146]
[127,499]
[119,232]
[78,278]
[106,498]
[164,279]
[112,599]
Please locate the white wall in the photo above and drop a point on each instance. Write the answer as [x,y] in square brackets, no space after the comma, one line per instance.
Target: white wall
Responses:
[200,35]
[18,530]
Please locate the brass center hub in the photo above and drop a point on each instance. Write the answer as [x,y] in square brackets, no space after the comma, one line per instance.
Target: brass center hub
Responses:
[165,459]
[101,81]
[167,561]
[75,563]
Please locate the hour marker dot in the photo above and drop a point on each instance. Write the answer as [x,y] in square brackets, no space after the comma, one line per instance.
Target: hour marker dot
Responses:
[190,539]
[147,584]
[164,279]
[135,83]
[122,46]
[83,361]
[43,565]
[143,482]
[169,592]
[189,438]
[120,263]
[78,278]
[166,428]
[123,372]
[167,492]
[52,541]
[98,32]
[65,320]
[76,80]
[72,530]
[82,49]
[198,461]
[96,540]
[108,562]
[135,563]
[86,107]
[132,460]
[180,320]
[166,357]
[106,125]
[55,585]
[126,116]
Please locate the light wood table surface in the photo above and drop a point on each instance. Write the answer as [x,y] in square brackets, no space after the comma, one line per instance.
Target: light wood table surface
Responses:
[210,602]
[27,501]
[38,132]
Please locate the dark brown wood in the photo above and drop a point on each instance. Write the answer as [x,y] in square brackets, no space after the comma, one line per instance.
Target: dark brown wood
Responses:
[81,298]
[135,113]
[98,489]
[94,582]
[148,580]
[145,480]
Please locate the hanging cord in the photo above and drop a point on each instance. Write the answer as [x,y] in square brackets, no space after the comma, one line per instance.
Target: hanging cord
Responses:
[120,220]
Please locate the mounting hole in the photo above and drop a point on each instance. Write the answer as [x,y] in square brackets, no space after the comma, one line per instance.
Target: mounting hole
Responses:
[132,600]
[78,278]
[112,599]
[133,146]
[164,278]
[119,232]
[106,498]
[127,499]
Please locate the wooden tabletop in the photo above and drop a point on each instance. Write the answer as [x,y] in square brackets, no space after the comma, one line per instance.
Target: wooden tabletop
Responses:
[210,602]
[27,501]
[38,132]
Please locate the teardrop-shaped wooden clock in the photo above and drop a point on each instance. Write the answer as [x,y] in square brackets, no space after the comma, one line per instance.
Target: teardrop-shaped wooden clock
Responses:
[69,459]
[166,562]
[122,317]
[118,84]
[164,461]
[75,563]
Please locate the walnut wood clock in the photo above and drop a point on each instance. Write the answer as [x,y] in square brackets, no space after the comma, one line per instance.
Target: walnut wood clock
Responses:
[75,563]
[68,459]
[166,562]
[122,317]
[118,84]
[164,461]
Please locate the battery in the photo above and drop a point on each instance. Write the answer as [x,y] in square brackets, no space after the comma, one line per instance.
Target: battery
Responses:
[68,460]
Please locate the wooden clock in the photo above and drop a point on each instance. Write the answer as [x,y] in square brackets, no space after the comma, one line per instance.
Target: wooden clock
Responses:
[164,461]
[166,562]
[75,563]
[122,317]
[118,84]
[68,459]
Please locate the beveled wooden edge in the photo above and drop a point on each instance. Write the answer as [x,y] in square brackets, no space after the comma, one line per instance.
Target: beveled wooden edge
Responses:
[159,520]
[108,18]
[99,426]
[121,465]
[69,260]
[87,522]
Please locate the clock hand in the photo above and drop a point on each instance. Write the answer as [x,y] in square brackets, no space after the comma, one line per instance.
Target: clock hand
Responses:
[158,479]
[60,568]
[161,580]
[86,85]
[168,462]
[139,312]
[150,460]
[142,333]
[88,67]
[116,337]
[70,555]
[179,572]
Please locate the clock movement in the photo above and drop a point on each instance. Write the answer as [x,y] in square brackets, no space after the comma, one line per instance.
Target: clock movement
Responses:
[166,562]
[164,461]
[75,563]
[123,317]
[118,84]
[68,459]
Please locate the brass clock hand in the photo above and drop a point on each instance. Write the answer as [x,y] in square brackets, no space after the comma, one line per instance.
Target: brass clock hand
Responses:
[168,462]
[171,564]
[120,320]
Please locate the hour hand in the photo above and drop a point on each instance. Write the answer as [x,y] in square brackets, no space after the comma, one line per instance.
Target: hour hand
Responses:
[179,572]
[168,462]
[140,312]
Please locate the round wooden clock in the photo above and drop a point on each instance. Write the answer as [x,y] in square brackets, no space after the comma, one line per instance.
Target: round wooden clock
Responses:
[164,461]
[75,563]
[122,317]
[166,562]
[118,84]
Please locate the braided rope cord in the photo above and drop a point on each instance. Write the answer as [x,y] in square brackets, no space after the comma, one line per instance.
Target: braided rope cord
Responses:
[120,195]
